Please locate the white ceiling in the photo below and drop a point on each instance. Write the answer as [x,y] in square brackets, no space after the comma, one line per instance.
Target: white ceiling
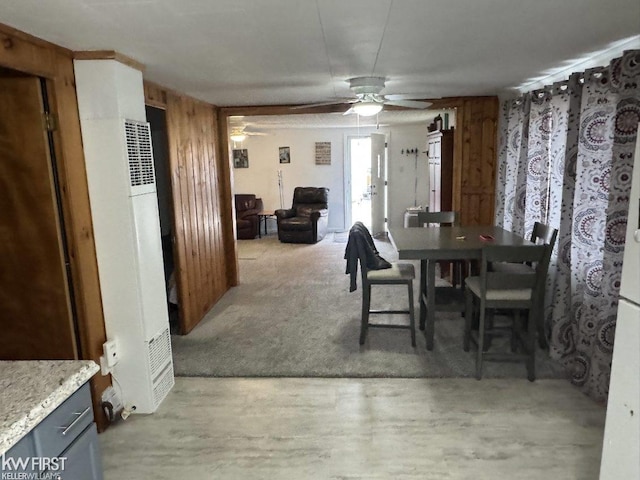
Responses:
[270,52]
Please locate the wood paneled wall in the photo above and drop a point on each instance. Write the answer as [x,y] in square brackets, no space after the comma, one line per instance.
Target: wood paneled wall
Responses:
[22,52]
[477,168]
[204,245]
[155,95]
[474,152]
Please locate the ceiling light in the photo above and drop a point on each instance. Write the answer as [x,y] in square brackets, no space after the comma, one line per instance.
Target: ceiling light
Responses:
[238,137]
[367,109]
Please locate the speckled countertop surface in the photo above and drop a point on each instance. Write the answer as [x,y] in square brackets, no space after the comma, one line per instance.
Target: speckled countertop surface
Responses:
[31,390]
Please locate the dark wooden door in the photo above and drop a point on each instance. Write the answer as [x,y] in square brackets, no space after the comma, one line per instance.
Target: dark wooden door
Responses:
[36,319]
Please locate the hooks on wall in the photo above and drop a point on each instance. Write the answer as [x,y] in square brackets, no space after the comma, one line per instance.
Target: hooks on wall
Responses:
[409,151]
[415,152]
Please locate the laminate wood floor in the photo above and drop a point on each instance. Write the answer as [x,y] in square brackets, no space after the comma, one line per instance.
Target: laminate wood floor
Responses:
[323,428]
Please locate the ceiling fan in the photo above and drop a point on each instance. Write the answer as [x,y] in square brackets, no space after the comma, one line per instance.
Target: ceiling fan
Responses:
[238,130]
[368,99]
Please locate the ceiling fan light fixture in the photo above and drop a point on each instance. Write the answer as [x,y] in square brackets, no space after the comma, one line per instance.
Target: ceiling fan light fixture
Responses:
[367,109]
[238,137]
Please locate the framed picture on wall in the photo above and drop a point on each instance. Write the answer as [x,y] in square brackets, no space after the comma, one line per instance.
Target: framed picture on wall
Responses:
[240,158]
[323,153]
[285,155]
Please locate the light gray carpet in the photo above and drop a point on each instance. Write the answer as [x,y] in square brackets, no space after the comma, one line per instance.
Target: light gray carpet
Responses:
[341,237]
[251,250]
[293,315]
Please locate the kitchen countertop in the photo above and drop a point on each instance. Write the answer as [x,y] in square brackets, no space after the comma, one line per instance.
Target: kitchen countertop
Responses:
[31,390]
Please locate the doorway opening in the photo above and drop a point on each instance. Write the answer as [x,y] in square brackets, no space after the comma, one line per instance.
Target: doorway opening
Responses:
[157,119]
[360,179]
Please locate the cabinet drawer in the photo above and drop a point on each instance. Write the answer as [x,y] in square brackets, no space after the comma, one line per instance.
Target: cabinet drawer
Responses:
[81,460]
[64,424]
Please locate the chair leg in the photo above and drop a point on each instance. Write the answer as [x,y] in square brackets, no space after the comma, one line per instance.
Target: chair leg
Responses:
[514,328]
[468,315]
[412,320]
[462,267]
[464,273]
[489,322]
[531,345]
[480,341]
[423,290]
[542,337]
[453,268]
[364,319]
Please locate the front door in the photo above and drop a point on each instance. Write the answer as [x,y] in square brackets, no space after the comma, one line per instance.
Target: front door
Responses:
[36,319]
[378,177]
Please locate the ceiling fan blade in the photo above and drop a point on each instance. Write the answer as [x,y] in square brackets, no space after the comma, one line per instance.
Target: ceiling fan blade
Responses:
[256,134]
[406,96]
[408,103]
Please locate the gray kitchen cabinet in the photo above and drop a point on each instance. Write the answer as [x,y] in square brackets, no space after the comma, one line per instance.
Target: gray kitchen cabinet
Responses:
[22,451]
[82,458]
[64,445]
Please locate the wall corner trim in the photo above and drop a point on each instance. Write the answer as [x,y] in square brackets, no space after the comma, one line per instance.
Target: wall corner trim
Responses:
[108,55]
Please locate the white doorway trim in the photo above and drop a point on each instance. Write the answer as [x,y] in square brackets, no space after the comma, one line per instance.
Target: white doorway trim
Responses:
[347,177]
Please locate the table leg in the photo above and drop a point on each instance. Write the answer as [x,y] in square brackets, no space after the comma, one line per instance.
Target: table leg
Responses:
[260,217]
[431,303]
[423,292]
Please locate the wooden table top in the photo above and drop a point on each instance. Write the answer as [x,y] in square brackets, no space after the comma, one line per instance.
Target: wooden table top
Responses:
[449,243]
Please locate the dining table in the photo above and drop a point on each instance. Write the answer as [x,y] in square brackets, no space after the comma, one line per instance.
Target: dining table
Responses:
[433,244]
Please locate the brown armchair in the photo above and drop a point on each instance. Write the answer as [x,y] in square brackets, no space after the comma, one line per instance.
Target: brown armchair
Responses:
[247,220]
[306,221]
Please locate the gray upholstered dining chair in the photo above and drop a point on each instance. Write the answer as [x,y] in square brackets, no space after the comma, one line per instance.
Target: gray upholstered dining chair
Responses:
[541,234]
[460,267]
[508,292]
[446,218]
[377,271]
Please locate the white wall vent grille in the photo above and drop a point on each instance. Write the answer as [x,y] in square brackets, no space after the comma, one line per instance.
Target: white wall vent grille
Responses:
[139,153]
[159,349]
[162,385]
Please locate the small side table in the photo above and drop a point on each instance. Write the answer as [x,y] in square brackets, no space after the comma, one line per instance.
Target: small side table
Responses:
[262,217]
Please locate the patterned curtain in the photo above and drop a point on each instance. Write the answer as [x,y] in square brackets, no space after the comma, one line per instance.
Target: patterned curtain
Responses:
[570,166]
[559,316]
[538,160]
[510,203]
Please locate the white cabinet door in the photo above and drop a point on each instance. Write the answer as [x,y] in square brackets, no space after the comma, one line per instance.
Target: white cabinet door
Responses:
[378,177]
[435,174]
[436,186]
[622,431]
[630,287]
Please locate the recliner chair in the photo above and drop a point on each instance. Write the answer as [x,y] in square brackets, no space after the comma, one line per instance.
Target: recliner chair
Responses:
[306,221]
[247,220]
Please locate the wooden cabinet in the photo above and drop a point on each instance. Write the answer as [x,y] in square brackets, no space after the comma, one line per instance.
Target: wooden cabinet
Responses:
[440,157]
[475,153]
